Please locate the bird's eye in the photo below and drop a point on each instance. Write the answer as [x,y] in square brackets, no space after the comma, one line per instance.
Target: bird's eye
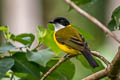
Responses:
[61,21]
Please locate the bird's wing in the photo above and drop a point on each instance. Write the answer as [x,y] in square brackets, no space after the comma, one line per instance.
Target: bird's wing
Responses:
[72,42]
[72,38]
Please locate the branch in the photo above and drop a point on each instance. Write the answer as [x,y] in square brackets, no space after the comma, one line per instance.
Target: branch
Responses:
[115,68]
[101,73]
[53,68]
[97,75]
[101,57]
[94,20]
[56,65]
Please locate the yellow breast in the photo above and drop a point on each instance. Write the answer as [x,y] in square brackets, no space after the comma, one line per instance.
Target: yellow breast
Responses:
[66,48]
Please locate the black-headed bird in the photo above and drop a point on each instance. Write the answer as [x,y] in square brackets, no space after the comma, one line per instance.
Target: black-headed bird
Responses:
[70,40]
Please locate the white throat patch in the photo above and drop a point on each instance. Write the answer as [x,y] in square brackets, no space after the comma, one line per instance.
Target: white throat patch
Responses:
[58,27]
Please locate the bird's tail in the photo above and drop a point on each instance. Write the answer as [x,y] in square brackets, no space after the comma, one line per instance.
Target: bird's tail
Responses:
[87,54]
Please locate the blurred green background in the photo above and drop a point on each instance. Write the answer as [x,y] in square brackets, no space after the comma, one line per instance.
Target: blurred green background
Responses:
[39,12]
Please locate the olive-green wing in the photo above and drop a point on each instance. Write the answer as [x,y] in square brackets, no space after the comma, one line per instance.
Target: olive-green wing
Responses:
[73,43]
[71,37]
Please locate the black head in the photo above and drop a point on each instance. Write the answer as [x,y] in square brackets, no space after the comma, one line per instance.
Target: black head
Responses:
[60,20]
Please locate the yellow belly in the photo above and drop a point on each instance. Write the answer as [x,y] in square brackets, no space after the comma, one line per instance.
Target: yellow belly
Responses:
[65,48]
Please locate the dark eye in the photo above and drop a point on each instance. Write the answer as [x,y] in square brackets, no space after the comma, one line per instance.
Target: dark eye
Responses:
[62,21]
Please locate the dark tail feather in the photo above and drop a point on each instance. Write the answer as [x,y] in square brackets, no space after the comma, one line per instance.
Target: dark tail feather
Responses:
[87,54]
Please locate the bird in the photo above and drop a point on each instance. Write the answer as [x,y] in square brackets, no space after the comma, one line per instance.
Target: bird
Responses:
[69,40]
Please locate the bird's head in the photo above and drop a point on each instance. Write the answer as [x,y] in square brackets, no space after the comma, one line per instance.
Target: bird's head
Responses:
[59,23]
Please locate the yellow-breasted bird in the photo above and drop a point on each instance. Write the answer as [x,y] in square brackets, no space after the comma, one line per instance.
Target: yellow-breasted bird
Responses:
[70,40]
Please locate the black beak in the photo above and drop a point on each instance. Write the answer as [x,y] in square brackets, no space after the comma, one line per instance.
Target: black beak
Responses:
[51,21]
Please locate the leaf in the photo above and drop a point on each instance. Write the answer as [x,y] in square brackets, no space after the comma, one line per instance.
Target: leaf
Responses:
[28,77]
[20,75]
[85,63]
[26,39]
[24,76]
[3,28]
[7,47]
[51,27]
[41,57]
[42,33]
[115,21]
[112,25]
[64,72]
[80,2]
[5,65]
[22,65]
[46,37]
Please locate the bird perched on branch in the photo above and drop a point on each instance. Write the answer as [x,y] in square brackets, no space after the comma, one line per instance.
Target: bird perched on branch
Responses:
[70,40]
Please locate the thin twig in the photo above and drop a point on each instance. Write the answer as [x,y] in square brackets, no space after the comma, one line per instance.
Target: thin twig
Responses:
[94,20]
[101,57]
[53,68]
[113,70]
[102,73]
[66,57]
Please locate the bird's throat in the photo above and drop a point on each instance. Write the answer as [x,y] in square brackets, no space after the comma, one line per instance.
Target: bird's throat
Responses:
[58,27]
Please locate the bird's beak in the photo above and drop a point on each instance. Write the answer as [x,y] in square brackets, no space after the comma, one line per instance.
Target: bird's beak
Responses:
[51,21]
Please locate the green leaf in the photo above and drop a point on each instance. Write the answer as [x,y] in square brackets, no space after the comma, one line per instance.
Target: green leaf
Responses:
[112,25]
[80,2]
[22,65]
[26,39]
[20,75]
[5,65]
[42,33]
[85,63]
[28,77]
[115,21]
[7,47]
[24,76]
[41,57]
[51,27]
[46,37]
[64,72]
[3,28]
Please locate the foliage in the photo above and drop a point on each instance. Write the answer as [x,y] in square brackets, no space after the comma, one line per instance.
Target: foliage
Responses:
[63,72]
[47,34]
[80,2]
[5,65]
[22,65]
[7,47]
[41,57]
[115,21]
[31,64]
[27,65]
[25,39]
